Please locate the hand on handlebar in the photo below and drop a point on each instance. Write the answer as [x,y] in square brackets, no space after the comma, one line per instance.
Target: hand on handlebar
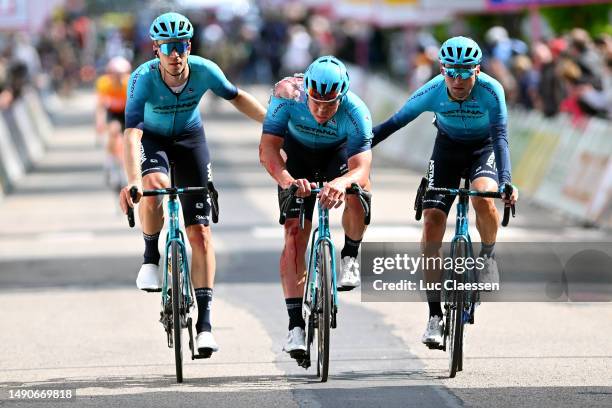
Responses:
[510,193]
[125,198]
[333,193]
[304,187]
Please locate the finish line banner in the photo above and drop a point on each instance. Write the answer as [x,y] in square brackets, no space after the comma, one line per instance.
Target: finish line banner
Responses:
[529,272]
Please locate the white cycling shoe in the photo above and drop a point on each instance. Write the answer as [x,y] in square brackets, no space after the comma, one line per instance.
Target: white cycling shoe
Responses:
[433,332]
[147,279]
[349,278]
[205,343]
[296,343]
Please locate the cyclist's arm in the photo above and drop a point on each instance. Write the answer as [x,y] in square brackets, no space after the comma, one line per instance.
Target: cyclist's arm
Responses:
[247,104]
[131,156]
[418,103]
[137,96]
[242,100]
[359,140]
[498,122]
[359,169]
[270,157]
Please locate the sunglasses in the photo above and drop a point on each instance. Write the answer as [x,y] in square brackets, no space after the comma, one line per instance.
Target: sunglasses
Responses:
[181,47]
[455,72]
[328,98]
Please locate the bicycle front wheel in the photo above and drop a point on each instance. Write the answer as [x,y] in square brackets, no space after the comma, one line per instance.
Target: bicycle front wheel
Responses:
[324,299]
[456,308]
[177,294]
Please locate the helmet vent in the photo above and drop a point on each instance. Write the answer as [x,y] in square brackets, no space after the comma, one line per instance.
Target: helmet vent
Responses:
[450,51]
[181,25]
[468,51]
[163,26]
[172,25]
[333,87]
[459,49]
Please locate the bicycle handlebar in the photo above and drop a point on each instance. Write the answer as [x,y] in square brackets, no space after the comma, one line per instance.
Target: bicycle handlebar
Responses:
[423,190]
[364,199]
[210,190]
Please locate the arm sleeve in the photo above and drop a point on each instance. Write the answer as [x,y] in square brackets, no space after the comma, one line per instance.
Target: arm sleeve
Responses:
[219,84]
[359,138]
[137,95]
[277,117]
[414,106]
[498,120]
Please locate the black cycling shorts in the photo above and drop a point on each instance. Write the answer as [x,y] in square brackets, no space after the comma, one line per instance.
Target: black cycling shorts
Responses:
[118,116]
[313,165]
[191,158]
[452,159]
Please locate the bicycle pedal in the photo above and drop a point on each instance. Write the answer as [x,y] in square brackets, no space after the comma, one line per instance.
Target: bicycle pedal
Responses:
[152,290]
[305,363]
[203,353]
[345,288]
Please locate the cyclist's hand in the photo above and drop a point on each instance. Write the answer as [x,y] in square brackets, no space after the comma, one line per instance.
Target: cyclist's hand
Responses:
[304,187]
[332,194]
[125,200]
[513,197]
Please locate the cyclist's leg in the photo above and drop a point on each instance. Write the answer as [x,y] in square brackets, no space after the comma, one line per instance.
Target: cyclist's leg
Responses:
[353,223]
[292,259]
[193,169]
[154,175]
[483,176]
[445,168]
[114,152]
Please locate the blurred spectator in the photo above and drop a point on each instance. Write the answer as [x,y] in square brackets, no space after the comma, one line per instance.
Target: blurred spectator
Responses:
[527,82]
[426,67]
[550,89]
[297,54]
[584,54]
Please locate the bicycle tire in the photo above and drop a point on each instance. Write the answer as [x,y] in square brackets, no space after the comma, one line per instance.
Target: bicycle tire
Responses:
[455,351]
[324,309]
[177,294]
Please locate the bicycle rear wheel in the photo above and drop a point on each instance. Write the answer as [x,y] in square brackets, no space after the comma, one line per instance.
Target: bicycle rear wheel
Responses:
[324,298]
[177,295]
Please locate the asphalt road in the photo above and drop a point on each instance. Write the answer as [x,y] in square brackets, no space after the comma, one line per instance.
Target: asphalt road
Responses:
[72,317]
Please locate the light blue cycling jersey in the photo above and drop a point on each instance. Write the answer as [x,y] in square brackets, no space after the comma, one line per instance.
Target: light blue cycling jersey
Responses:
[482,115]
[154,107]
[292,118]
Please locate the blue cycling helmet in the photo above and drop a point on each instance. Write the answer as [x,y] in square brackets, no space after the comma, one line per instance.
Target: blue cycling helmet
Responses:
[171,26]
[460,51]
[327,75]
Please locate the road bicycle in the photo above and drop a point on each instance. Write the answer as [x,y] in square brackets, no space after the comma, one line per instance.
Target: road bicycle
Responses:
[177,295]
[459,304]
[320,301]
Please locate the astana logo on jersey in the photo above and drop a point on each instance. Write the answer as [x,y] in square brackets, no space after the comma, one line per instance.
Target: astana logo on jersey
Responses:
[491,161]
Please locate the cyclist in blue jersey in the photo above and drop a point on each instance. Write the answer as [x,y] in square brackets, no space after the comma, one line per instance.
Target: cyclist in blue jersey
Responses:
[471,118]
[163,124]
[325,131]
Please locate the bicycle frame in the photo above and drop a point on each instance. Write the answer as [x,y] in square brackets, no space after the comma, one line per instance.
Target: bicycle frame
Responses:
[319,234]
[175,234]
